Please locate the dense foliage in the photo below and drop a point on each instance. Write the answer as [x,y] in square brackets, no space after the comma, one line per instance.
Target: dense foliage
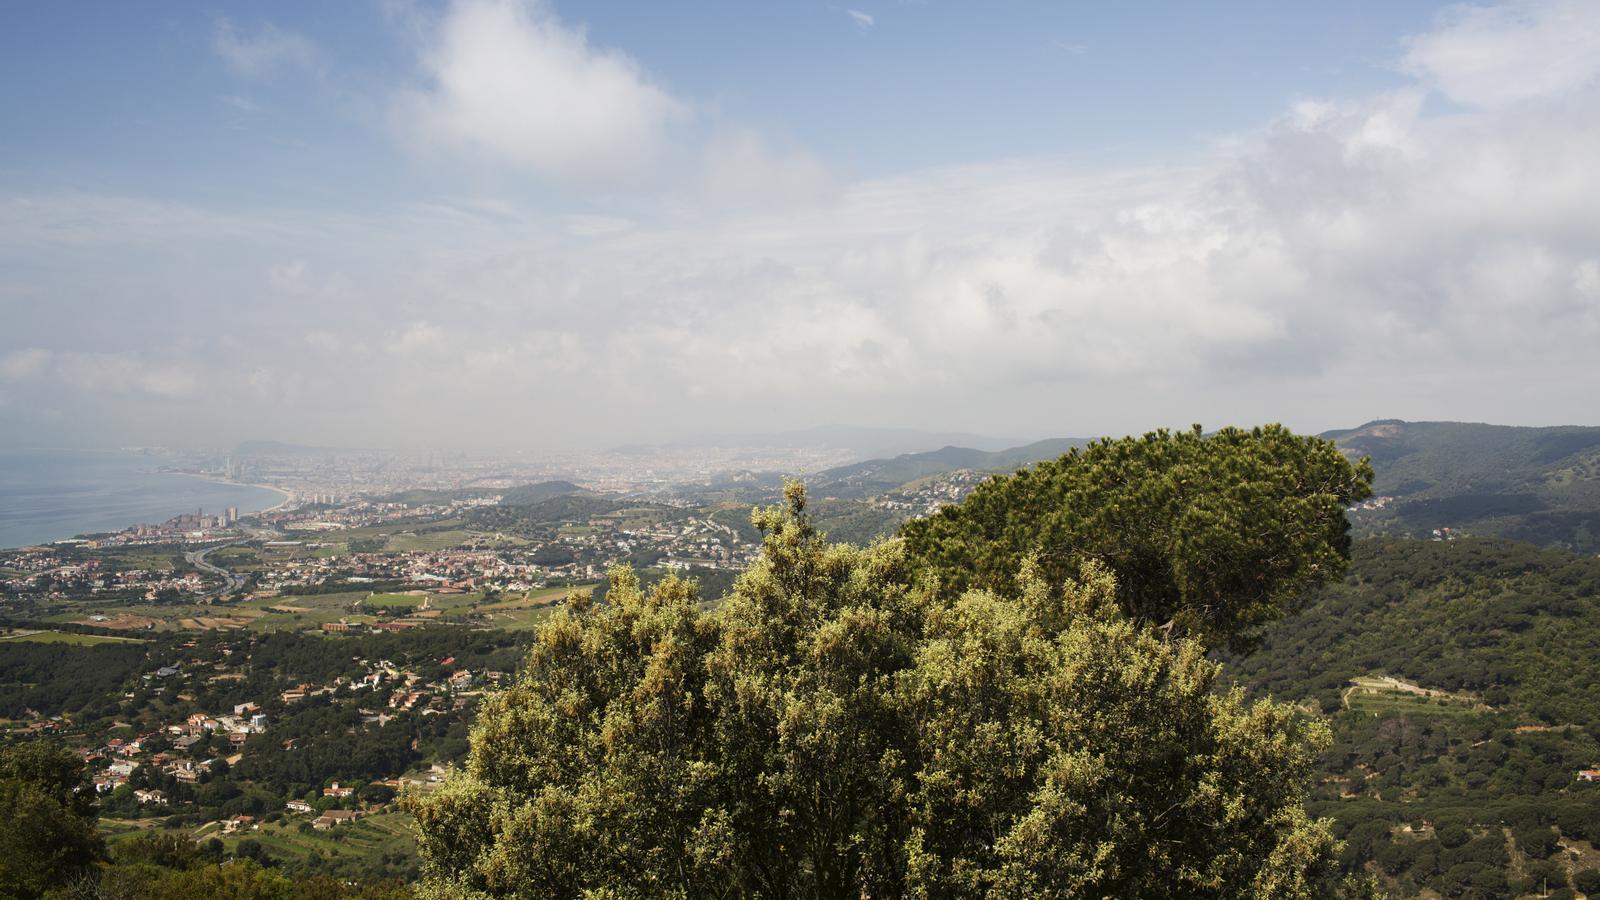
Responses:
[838,728]
[48,679]
[1212,533]
[1515,626]
[1464,790]
[47,819]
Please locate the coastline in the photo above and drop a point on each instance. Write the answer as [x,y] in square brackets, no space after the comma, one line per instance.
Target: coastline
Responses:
[55,496]
[288,495]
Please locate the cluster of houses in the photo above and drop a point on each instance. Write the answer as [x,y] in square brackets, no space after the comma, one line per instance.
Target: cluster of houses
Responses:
[445,572]
[406,688]
[122,764]
[55,572]
[694,543]
[178,739]
[929,496]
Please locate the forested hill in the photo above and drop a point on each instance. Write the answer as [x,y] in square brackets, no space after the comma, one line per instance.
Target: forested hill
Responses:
[1534,484]
[529,494]
[1496,621]
[875,476]
[1462,681]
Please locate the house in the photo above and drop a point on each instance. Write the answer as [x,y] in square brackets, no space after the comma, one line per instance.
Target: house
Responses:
[229,826]
[337,791]
[1589,775]
[151,796]
[299,806]
[334,817]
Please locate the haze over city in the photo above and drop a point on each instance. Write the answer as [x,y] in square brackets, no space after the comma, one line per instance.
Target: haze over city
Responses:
[497,223]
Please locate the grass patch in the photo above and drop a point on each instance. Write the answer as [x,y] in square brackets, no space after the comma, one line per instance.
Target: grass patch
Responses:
[1384,696]
[396,601]
[68,637]
[369,838]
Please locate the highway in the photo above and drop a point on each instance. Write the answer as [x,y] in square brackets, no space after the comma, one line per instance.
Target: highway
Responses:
[232,581]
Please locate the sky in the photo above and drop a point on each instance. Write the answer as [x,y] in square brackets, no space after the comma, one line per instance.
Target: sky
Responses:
[524,224]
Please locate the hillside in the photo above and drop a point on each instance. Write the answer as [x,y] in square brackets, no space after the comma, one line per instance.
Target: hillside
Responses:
[875,476]
[1540,485]
[527,494]
[1462,681]
[1513,625]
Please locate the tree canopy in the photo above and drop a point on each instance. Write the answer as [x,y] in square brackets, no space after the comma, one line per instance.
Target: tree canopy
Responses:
[842,726]
[1210,533]
[47,819]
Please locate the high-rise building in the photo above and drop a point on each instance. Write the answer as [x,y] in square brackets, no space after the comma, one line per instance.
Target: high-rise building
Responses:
[233,514]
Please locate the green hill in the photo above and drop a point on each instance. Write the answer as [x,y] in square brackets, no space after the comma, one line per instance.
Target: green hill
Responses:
[1513,625]
[1462,681]
[1540,485]
[875,476]
[528,494]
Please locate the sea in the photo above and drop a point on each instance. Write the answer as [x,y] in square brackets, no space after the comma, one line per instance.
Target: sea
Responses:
[52,495]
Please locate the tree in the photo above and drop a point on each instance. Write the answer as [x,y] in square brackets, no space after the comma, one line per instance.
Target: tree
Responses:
[1210,535]
[47,819]
[172,851]
[838,727]
[241,879]
[1538,841]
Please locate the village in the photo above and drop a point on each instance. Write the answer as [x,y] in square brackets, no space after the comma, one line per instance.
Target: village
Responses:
[224,735]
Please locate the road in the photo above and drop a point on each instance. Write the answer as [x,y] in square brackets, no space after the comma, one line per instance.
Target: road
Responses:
[232,581]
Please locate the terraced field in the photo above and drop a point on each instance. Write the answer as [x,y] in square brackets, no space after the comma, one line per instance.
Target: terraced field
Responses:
[1383,695]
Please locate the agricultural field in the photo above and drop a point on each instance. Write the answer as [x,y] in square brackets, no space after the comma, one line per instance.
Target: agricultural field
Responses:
[120,615]
[154,559]
[65,637]
[527,611]
[298,613]
[426,542]
[408,600]
[370,839]
[1386,696]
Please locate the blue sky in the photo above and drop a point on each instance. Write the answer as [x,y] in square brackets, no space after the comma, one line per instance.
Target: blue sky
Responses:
[111,94]
[333,221]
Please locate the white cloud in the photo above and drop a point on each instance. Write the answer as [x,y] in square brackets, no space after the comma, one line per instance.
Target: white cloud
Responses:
[510,82]
[742,167]
[24,363]
[1492,56]
[265,50]
[1356,257]
[862,19]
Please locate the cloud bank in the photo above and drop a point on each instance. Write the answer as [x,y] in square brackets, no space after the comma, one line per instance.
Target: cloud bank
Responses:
[1353,258]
